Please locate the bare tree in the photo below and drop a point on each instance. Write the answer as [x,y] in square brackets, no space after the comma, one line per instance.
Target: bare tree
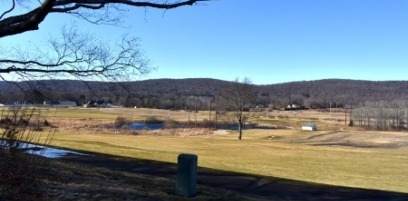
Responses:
[238,98]
[382,115]
[94,11]
[76,54]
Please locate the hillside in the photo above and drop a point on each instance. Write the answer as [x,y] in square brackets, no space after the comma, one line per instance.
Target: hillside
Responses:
[181,93]
[320,93]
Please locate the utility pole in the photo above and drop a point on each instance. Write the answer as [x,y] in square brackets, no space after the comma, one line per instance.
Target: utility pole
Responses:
[216,119]
[345,115]
[195,112]
[351,113]
[330,111]
[212,98]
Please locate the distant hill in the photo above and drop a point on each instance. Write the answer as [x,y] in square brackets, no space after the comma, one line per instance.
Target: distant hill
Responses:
[181,93]
[320,93]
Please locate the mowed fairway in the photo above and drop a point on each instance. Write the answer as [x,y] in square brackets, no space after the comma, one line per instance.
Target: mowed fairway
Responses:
[370,168]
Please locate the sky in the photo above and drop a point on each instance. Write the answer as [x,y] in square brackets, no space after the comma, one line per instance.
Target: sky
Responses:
[268,41]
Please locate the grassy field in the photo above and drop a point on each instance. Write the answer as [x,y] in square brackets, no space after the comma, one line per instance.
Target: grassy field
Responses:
[261,152]
[360,160]
[372,168]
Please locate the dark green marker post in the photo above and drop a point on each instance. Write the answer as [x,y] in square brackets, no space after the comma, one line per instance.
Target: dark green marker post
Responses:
[186,184]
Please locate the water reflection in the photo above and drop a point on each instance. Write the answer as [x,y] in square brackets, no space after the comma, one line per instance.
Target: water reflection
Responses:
[39,150]
[144,126]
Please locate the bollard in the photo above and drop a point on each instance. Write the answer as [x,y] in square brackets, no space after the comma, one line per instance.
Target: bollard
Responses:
[186,175]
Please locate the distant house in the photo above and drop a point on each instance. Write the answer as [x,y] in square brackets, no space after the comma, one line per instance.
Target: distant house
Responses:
[295,107]
[309,127]
[95,103]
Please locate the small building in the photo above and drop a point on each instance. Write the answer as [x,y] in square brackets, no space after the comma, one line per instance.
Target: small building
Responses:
[95,103]
[309,127]
[294,107]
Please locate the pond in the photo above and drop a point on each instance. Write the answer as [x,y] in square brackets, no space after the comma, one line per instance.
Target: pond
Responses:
[44,151]
[144,126]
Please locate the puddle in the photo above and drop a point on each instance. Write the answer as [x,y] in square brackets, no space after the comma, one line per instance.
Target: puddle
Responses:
[44,151]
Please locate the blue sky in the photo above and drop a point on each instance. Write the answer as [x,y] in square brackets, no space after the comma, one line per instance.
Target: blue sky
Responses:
[269,41]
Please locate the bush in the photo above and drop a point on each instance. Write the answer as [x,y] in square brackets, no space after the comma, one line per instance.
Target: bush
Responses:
[121,121]
[18,176]
[46,123]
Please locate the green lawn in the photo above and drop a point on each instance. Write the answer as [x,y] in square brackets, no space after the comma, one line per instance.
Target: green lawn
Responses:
[364,168]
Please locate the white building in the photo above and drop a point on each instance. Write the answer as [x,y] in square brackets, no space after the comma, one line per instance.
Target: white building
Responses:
[309,127]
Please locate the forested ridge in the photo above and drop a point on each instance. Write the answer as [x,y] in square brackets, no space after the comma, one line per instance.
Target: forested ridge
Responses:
[183,93]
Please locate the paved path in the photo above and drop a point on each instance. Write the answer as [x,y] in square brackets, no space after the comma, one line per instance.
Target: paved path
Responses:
[267,187]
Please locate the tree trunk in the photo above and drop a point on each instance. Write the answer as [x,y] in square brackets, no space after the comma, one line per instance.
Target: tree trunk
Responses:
[240,131]
[216,119]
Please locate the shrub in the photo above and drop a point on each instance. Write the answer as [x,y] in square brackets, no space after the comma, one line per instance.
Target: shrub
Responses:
[46,123]
[121,121]
[18,176]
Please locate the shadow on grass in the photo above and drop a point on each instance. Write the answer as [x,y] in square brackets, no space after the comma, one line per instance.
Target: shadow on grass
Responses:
[268,188]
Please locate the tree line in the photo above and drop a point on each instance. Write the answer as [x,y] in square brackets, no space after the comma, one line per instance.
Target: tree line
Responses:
[382,115]
[198,93]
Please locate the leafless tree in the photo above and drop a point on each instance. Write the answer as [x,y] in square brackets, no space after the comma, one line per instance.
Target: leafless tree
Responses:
[238,98]
[382,115]
[12,21]
[76,54]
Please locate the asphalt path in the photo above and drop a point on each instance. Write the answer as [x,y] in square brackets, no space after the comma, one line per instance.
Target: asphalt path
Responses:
[259,186]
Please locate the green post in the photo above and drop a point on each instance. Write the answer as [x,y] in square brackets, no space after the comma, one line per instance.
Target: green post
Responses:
[186,184]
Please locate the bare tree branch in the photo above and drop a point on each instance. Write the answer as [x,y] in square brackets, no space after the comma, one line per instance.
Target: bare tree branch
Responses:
[13,5]
[25,22]
[79,55]
[29,21]
[238,98]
